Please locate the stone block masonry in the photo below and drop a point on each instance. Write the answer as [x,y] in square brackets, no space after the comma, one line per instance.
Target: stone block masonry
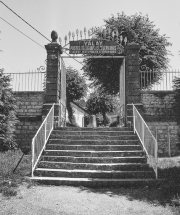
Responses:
[167,137]
[29,113]
[158,114]
[157,105]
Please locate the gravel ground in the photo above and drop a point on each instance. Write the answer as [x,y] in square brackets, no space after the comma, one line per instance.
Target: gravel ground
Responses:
[52,200]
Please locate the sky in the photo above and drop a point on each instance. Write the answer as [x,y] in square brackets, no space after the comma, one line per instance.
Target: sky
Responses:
[20,54]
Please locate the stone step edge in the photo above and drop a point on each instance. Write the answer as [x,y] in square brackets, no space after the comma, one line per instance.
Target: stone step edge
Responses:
[56,150]
[77,135]
[97,164]
[92,179]
[92,157]
[55,144]
[90,171]
[99,140]
[96,128]
[65,131]
[52,144]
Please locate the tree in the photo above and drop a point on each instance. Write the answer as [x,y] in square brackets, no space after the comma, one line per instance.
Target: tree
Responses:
[8,117]
[153,54]
[99,103]
[76,89]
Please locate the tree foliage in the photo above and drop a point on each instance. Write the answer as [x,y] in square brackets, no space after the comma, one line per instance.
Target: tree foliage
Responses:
[99,103]
[8,117]
[153,54]
[76,89]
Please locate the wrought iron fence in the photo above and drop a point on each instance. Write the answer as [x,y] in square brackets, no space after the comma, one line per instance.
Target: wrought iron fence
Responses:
[40,139]
[29,81]
[150,81]
[147,139]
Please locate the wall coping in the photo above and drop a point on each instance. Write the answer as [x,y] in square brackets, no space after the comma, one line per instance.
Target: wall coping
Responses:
[28,92]
[158,91]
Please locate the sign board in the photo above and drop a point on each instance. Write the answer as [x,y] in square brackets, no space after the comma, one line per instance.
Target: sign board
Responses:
[95,47]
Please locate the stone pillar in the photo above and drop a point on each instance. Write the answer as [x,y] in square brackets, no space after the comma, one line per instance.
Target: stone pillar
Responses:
[133,93]
[52,92]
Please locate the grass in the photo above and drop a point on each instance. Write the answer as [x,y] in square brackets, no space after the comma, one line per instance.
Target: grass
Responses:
[9,181]
[168,169]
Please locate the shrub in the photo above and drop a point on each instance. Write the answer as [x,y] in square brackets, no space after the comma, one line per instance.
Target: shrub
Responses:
[8,117]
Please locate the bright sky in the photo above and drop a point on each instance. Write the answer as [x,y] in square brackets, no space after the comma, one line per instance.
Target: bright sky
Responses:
[19,54]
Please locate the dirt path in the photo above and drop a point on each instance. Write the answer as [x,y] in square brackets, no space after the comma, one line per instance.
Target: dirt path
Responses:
[52,200]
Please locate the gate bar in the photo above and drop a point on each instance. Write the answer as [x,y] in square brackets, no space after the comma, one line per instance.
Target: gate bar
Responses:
[92,56]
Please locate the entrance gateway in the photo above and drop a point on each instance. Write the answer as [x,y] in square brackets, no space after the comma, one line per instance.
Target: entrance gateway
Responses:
[57,157]
[94,48]
[109,45]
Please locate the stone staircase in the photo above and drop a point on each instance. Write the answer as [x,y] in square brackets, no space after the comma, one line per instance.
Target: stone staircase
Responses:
[93,156]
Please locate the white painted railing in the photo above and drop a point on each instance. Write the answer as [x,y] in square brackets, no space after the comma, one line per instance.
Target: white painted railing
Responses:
[147,139]
[40,139]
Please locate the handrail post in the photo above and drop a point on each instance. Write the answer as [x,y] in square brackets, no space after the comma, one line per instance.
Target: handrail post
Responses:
[133,118]
[143,135]
[32,151]
[53,117]
[156,160]
[45,131]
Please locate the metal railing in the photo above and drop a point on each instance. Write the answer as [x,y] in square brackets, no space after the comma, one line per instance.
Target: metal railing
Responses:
[40,139]
[149,80]
[147,139]
[28,81]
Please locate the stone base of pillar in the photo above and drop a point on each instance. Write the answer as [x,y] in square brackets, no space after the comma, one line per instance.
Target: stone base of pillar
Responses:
[57,111]
[139,107]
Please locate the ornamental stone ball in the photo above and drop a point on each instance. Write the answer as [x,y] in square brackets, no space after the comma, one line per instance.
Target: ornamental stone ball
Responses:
[54,36]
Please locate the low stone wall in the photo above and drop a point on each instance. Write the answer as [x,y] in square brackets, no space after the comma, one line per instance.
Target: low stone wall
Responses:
[167,134]
[29,113]
[158,114]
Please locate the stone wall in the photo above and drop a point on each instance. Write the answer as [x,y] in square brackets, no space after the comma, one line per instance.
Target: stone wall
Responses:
[158,114]
[30,116]
[157,105]
[167,136]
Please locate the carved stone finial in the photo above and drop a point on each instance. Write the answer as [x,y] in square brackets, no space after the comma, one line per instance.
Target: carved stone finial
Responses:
[54,36]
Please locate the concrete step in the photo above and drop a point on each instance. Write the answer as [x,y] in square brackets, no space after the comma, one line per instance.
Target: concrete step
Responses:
[93,156]
[94,137]
[96,182]
[93,147]
[81,153]
[96,133]
[44,172]
[92,142]
[95,166]
[73,159]
[93,129]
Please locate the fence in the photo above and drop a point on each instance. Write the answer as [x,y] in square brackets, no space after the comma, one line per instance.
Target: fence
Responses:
[40,139]
[149,80]
[29,81]
[146,137]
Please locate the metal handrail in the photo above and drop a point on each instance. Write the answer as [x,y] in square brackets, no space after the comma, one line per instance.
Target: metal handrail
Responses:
[147,139]
[41,137]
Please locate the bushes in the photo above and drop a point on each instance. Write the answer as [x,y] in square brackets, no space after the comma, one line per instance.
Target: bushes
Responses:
[8,117]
